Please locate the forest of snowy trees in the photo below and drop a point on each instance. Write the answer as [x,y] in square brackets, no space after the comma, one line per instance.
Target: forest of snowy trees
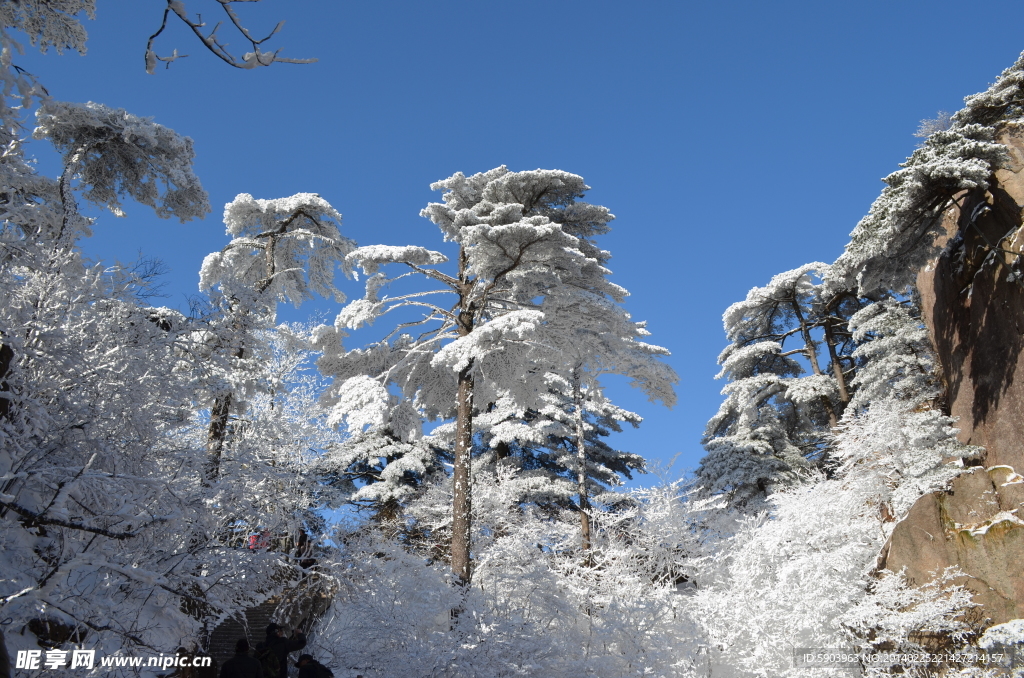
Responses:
[453,486]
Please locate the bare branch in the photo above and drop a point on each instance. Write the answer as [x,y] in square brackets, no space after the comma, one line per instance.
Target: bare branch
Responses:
[212,42]
[435,309]
[41,519]
[436,275]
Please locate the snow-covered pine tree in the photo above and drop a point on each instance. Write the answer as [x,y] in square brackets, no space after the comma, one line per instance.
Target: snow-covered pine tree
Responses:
[894,355]
[898,235]
[774,421]
[284,249]
[542,445]
[521,236]
[584,337]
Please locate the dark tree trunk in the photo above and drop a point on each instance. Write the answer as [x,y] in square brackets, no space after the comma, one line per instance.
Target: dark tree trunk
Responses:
[837,367]
[581,468]
[6,358]
[462,493]
[216,434]
[811,351]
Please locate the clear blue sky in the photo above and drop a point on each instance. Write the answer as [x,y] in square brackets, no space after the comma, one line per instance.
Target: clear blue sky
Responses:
[732,140]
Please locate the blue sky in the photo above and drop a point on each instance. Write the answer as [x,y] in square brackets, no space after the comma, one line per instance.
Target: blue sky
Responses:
[732,140]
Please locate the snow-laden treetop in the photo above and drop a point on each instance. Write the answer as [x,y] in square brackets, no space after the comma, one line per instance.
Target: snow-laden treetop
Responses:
[289,247]
[117,154]
[898,235]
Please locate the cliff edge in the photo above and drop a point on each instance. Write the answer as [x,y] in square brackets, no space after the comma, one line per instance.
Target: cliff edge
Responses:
[972,298]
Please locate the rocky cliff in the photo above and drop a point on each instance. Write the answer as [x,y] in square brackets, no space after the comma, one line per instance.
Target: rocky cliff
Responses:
[972,297]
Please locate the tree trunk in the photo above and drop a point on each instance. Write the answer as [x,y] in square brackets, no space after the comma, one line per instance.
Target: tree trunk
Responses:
[218,429]
[581,464]
[811,351]
[837,367]
[216,434]
[6,358]
[462,495]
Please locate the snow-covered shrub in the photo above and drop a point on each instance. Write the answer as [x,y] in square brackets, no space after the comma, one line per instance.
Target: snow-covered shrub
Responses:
[802,575]
[538,605]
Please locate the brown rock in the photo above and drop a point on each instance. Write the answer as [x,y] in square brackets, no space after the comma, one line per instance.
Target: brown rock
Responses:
[969,527]
[976,317]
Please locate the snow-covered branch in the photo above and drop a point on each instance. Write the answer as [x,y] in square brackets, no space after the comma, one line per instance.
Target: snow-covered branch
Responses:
[212,41]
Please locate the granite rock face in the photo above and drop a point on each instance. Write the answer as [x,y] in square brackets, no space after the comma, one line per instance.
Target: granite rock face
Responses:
[972,297]
[975,313]
[975,527]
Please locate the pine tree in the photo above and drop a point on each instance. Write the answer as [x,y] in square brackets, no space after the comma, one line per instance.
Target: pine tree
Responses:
[585,337]
[521,237]
[284,249]
[775,422]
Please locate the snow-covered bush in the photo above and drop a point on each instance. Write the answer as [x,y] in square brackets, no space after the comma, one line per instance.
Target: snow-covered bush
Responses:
[538,604]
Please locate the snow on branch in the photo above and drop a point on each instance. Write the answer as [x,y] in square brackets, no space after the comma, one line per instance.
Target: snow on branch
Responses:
[49,23]
[212,41]
[371,257]
[43,519]
[497,335]
[362,403]
[287,247]
[115,154]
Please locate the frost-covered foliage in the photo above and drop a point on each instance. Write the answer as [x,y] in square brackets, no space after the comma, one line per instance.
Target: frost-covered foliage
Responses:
[819,540]
[803,574]
[1010,633]
[942,121]
[673,585]
[775,421]
[541,444]
[894,613]
[830,432]
[897,237]
[289,249]
[511,254]
[531,311]
[102,528]
[778,422]
[107,529]
[270,475]
[159,472]
[115,154]
[48,23]
[558,442]
[895,355]
[535,607]
[109,536]
[512,251]
[899,449]
[1000,103]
